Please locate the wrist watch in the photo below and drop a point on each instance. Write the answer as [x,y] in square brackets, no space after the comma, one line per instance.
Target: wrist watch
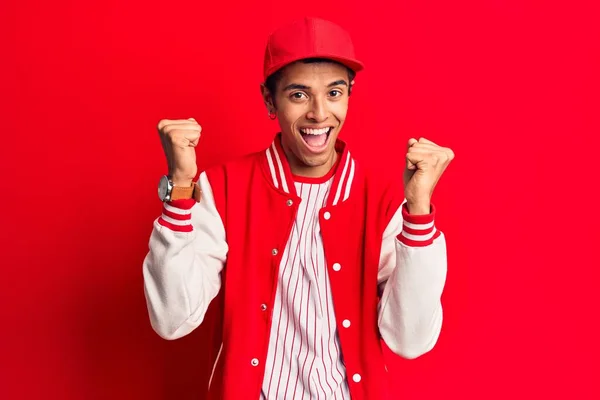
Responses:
[167,191]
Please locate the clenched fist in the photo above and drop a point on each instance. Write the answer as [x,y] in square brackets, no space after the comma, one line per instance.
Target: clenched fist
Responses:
[179,138]
[425,164]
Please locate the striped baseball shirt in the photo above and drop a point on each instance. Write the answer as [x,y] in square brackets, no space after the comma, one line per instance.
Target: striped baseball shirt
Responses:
[304,359]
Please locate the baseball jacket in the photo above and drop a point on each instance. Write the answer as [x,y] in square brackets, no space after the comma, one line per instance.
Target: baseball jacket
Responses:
[387,268]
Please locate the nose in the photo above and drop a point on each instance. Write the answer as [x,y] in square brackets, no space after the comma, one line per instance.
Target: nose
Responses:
[318,110]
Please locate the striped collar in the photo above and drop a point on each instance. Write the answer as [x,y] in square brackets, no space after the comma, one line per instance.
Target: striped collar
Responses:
[280,174]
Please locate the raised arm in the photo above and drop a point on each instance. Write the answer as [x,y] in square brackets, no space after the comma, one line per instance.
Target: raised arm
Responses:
[187,247]
[413,263]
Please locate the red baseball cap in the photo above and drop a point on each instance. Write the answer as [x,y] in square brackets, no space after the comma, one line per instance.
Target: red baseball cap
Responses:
[309,38]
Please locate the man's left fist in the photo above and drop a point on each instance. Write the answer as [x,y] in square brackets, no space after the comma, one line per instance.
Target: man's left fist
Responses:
[425,164]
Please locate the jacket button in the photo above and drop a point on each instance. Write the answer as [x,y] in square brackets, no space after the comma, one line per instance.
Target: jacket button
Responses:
[289,202]
[263,307]
[337,267]
[274,252]
[327,215]
[254,362]
[346,323]
[356,378]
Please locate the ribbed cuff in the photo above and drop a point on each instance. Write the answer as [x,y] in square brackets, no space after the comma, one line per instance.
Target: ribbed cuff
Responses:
[177,215]
[418,230]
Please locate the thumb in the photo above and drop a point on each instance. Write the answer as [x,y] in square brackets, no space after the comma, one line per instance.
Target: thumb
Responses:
[409,163]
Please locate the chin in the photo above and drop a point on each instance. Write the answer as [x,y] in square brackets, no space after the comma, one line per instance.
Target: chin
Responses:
[316,161]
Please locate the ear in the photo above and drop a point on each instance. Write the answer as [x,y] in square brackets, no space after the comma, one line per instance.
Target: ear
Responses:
[267,98]
[350,88]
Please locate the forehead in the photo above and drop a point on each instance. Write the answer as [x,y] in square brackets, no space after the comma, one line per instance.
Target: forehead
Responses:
[313,74]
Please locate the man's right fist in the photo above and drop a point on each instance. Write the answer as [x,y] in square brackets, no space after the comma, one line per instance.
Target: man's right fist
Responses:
[179,138]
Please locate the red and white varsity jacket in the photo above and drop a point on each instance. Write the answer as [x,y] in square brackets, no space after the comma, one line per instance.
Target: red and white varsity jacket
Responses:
[386,268]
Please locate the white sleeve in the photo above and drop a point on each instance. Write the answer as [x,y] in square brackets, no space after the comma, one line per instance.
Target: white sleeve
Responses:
[412,275]
[182,270]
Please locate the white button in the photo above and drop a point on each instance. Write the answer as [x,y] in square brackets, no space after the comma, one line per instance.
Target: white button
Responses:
[356,378]
[274,252]
[254,362]
[346,323]
[289,202]
[326,215]
[263,307]
[337,267]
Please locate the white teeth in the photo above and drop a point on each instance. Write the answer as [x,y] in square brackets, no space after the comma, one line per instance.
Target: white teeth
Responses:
[309,131]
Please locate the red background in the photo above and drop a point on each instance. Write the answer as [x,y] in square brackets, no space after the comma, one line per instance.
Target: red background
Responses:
[511,86]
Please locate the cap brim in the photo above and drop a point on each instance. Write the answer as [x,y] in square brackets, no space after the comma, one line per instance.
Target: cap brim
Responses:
[351,63]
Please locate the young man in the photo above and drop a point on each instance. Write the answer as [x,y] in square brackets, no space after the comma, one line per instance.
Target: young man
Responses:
[318,259]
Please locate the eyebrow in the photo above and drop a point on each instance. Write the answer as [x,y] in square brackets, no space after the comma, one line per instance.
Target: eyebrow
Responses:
[304,87]
[337,83]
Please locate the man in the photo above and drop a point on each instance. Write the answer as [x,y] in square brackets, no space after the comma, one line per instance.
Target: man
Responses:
[319,259]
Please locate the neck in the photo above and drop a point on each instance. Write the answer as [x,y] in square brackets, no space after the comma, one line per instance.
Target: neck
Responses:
[300,169]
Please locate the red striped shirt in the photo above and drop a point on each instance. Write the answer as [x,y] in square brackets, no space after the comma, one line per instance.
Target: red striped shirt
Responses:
[304,359]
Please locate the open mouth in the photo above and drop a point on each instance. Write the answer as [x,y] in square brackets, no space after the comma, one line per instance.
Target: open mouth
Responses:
[316,138]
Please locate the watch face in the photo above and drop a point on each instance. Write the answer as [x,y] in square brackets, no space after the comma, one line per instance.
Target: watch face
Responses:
[163,188]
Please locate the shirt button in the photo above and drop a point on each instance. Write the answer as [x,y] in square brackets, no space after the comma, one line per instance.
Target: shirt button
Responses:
[274,252]
[327,215]
[337,267]
[346,323]
[254,362]
[289,202]
[263,307]
[356,378]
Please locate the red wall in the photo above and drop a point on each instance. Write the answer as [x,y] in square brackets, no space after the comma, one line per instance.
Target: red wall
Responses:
[511,86]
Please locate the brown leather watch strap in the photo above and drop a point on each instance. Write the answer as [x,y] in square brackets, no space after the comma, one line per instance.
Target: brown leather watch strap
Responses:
[189,192]
[197,192]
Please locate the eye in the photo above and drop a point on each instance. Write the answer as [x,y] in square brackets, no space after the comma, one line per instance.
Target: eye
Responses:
[335,93]
[298,95]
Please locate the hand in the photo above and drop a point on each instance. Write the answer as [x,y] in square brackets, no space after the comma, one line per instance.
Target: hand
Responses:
[425,164]
[179,138]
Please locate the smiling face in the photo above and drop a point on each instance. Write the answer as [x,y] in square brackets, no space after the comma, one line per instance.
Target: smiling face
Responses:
[311,102]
